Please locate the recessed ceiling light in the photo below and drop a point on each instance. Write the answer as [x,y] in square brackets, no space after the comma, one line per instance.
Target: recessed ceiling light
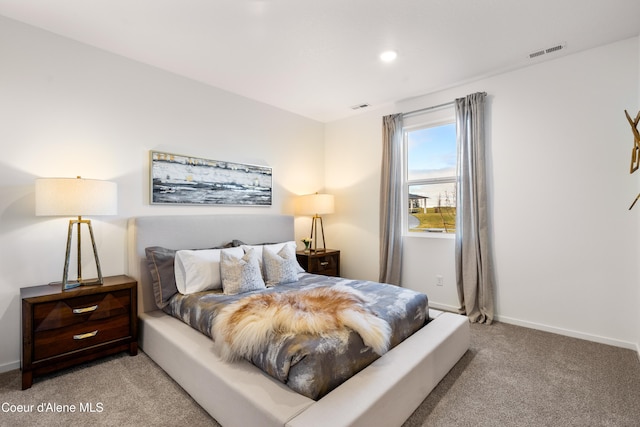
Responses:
[388,56]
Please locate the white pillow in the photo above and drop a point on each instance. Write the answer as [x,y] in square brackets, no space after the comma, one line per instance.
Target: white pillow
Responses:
[199,270]
[240,274]
[290,247]
[279,268]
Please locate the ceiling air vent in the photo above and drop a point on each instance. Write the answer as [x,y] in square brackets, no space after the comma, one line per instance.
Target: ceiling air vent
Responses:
[360,106]
[554,49]
[536,53]
[546,51]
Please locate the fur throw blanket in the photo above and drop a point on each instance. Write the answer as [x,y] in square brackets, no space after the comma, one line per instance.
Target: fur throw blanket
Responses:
[245,327]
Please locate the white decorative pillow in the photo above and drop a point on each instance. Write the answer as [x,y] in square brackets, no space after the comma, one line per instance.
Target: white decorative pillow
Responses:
[199,270]
[280,267]
[240,274]
[290,247]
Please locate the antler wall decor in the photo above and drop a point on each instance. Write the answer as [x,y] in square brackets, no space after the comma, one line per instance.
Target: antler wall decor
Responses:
[635,152]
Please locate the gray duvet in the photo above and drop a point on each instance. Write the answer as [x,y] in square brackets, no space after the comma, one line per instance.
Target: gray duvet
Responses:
[308,364]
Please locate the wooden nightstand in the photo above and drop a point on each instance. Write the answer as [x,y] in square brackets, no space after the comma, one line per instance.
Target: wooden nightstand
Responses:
[65,328]
[326,262]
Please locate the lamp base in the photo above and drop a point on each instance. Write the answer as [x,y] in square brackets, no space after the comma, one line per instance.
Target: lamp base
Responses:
[71,284]
[74,283]
[316,251]
[314,235]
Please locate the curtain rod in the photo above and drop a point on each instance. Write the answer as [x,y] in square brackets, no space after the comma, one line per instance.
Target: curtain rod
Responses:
[435,107]
[423,110]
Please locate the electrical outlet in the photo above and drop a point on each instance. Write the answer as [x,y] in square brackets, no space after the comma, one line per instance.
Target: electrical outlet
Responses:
[438,280]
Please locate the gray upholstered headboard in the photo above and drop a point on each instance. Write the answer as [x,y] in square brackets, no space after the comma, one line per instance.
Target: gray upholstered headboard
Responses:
[195,232]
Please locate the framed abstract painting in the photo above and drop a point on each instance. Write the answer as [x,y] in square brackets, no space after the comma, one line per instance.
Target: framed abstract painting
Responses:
[185,180]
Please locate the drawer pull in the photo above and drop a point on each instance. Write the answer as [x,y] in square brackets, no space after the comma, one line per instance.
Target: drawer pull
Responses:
[324,263]
[87,335]
[85,309]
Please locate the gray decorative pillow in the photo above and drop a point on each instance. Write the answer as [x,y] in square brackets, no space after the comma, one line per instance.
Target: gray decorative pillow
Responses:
[280,267]
[276,247]
[240,275]
[161,266]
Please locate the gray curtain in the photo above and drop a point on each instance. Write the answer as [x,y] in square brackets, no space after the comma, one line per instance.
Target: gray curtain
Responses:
[474,271]
[391,200]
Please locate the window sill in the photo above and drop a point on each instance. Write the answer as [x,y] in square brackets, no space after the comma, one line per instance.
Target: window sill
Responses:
[429,235]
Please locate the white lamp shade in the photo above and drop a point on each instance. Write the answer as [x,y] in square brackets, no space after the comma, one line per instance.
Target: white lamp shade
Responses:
[315,204]
[75,197]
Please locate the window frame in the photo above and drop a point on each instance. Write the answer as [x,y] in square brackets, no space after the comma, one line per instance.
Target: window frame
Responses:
[440,117]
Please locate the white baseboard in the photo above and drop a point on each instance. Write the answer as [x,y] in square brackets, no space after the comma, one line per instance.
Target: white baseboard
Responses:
[547,328]
[443,307]
[570,333]
[10,366]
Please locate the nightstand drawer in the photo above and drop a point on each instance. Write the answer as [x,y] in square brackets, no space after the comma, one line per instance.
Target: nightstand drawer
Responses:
[326,265]
[63,313]
[65,327]
[81,335]
[326,262]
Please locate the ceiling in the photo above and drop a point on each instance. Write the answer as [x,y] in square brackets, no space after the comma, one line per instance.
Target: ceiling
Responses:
[319,58]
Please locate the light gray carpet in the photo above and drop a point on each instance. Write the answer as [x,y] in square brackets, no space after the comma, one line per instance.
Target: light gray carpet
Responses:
[511,376]
[514,376]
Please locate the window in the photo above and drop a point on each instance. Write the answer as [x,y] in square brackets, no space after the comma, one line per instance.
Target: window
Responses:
[430,177]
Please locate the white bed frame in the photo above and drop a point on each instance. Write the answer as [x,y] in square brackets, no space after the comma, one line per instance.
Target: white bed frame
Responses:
[384,394]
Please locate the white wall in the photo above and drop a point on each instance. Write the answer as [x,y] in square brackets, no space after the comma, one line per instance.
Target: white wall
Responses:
[565,244]
[353,159]
[68,109]
[638,215]
[557,136]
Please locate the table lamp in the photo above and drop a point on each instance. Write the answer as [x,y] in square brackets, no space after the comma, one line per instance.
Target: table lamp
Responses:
[316,205]
[76,197]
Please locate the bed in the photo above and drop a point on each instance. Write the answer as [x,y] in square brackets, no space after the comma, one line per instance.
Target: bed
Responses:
[384,393]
